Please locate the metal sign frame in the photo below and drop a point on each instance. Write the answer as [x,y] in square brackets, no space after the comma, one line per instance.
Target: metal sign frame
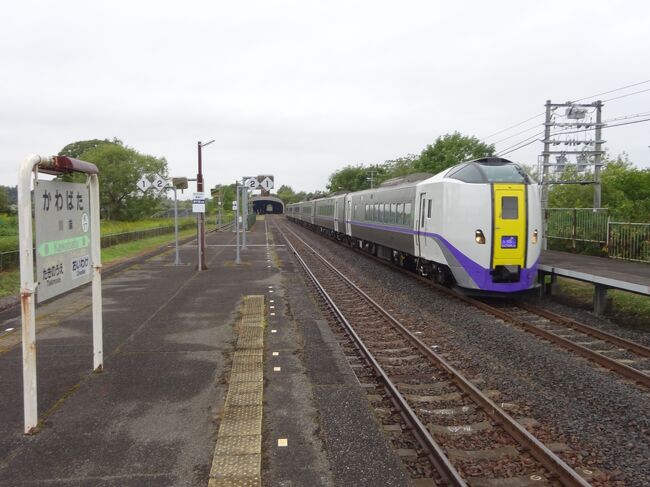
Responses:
[29,169]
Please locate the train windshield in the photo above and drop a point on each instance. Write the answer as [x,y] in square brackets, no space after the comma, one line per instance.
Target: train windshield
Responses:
[504,173]
[474,172]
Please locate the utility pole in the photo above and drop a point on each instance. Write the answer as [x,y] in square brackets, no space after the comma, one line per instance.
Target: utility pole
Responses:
[201,216]
[599,153]
[545,159]
[572,138]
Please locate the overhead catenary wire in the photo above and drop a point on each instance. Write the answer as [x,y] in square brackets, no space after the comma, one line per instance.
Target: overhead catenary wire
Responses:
[626,117]
[626,95]
[575,101]
[516,147]
[613,91]
[513,126]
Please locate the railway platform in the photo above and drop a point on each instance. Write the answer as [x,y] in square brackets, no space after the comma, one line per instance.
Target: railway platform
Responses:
[603,273]
[221,377]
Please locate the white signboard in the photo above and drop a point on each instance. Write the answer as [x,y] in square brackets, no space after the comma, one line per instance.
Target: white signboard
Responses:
[267,183]
[62,217]
[234,205]
[159,183]
[144,184]
[251,183]
[198,203]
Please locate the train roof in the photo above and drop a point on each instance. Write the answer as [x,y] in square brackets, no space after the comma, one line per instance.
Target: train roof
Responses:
[409,178]
[486,170]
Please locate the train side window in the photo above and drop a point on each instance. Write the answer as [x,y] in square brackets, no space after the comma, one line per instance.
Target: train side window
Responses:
[393,207]
[381,212]
[407,214]
[509,208]
[429,210]
[400,213]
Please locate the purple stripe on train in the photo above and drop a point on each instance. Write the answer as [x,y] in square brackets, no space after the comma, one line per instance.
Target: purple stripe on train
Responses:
[480,275]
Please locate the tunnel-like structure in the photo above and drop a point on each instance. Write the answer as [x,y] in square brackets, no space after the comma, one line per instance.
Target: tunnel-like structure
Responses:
[267,204]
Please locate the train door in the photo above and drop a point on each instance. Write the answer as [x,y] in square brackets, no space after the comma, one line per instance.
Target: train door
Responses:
[348,217]
[421,224]
[336,215]
[509,243]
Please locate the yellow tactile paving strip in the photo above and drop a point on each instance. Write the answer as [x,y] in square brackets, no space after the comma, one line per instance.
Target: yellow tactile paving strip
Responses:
[238,454]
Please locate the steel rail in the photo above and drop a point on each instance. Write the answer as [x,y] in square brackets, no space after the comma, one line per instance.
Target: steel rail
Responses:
[587,330]
[436,454]
[611,364]
[538,450]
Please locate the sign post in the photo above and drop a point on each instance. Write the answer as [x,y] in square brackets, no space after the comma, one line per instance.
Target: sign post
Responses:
[67,245]
[198,206]
[159,184]
[235,208]
[177,260]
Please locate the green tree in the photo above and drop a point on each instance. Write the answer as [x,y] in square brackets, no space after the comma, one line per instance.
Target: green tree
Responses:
[120,169]
[4,200]
[356,178]
[451,149]
[75,149]
[625,190]
[571,195]
[286,194]
[402,166]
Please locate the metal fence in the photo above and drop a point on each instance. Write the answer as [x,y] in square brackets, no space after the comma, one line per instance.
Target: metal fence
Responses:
[629,241]
[11,259]
[577,224]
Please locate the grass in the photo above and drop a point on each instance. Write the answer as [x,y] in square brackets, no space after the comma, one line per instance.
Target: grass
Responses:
[627,308]
[9,283]
[8,243]
[109,227]
[9,228]
[130,249]
[10,280]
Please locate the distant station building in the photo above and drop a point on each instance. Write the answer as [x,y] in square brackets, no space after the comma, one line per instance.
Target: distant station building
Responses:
[267,204]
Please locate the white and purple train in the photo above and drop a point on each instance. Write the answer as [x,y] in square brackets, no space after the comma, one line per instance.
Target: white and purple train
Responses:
[476,225]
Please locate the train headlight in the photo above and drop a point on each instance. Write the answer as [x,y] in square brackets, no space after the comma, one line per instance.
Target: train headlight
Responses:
[479,237]
[534,239]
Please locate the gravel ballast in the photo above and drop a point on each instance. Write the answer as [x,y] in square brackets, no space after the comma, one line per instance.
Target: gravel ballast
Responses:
[603,419]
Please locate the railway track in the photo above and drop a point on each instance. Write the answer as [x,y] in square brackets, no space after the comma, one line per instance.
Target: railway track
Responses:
[468,438]
[628,359]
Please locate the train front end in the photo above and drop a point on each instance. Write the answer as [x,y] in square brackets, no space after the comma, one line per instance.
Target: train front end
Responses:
[501,225]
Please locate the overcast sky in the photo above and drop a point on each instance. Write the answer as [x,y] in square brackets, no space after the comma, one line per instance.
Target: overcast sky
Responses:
[300,89]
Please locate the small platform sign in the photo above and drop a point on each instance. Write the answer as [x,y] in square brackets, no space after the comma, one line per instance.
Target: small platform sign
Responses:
[63,251]
[159,183]
[251,183]
[267,183]
[198,203]
[144,184]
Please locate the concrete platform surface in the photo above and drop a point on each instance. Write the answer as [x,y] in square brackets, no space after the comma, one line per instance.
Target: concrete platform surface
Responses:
[153,416]
[619,274]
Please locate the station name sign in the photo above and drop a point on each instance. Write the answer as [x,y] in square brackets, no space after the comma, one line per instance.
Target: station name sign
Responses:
[63,244]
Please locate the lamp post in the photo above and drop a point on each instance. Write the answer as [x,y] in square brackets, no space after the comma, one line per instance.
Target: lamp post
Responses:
[201,216]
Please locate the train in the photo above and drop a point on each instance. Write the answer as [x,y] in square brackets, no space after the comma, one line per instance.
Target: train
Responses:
[475,226]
